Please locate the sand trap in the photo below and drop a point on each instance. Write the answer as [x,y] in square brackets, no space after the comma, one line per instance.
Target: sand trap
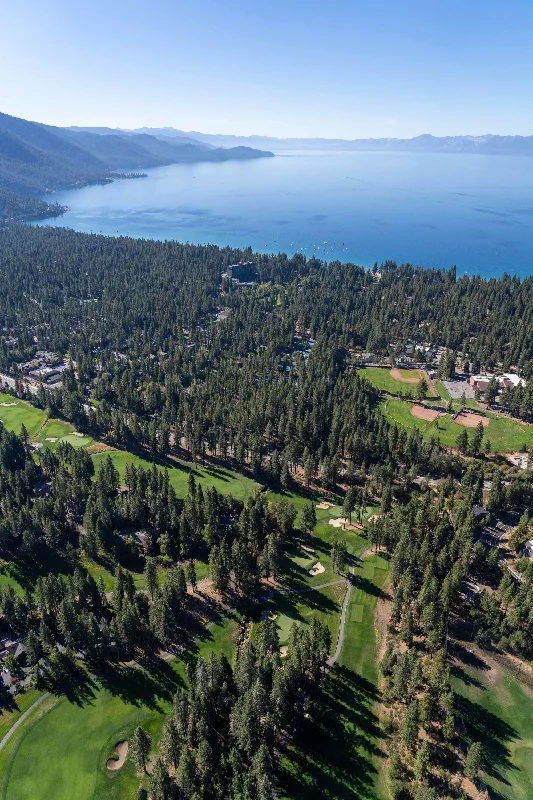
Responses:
[77,433]
[51,439]
[338,523]
[471,420]
[317,569]
[325,504]
[283,650]
[121,749]
[307,549]
[421,412]
[8,404]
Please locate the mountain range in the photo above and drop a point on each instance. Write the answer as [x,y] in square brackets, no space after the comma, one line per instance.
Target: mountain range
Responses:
[487,144]
[36,159]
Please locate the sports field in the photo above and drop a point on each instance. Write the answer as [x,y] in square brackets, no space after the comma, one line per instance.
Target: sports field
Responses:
[393,381]
[504,434]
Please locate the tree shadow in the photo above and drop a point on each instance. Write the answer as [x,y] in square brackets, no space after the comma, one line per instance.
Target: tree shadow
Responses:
[494,734]
[334,748]
[151,684]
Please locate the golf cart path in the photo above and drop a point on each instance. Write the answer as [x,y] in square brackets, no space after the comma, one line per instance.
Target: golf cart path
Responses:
[340,640]
[21,719]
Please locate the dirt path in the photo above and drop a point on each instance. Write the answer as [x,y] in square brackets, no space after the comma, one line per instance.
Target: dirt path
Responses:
[21,719]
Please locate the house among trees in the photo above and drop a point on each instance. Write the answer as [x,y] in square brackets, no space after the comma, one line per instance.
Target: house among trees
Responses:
[9,647]
[243,274]
[509,380]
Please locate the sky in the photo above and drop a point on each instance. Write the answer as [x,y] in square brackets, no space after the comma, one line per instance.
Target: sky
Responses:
[335,69]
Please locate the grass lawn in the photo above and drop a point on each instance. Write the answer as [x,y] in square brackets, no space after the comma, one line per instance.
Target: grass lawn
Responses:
[62,432]
[381,378]
[497,712]
[61,749]
[21,413]
[297,562]
[23,574]
[324,604]
[21,703]
[224,480]
[338,753]
[504,434]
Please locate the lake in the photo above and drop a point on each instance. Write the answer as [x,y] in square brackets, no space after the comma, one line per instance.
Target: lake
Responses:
[436,210]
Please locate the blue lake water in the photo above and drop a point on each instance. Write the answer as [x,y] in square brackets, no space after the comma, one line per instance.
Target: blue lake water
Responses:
[436,210]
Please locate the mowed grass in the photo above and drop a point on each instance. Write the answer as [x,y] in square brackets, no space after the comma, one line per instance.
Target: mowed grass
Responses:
[299,609]
[62,432]
[61,750]
[498,712]
[223,480]
[21,703]
[504,434]
[338,754]
[381,378]
[15,416]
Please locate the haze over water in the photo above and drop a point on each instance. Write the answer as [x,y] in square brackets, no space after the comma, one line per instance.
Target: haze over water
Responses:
[435,210]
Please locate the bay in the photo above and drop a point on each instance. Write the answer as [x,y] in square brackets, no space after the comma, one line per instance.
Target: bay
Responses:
[433,210]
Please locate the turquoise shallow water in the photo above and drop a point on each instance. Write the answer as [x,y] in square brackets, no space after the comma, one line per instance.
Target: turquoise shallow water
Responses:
[436,210]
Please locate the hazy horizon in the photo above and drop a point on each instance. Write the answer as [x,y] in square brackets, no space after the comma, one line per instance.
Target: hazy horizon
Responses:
[292,69]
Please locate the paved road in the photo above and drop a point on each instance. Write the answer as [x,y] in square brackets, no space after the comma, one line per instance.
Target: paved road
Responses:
[21,719]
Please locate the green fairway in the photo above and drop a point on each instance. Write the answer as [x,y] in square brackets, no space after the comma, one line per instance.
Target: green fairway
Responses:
[504,434]
[68,740]
[497,710]
[339,754]
[21,703]
[381,378]
[15,413]
[224,480]
[297,561]
[56,431]
[324,604]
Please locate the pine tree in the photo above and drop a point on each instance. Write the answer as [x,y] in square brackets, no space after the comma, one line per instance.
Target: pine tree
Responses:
[150,574]
[139,748]
[474,761]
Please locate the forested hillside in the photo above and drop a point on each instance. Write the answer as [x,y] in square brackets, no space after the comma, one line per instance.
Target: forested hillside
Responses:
[36,159]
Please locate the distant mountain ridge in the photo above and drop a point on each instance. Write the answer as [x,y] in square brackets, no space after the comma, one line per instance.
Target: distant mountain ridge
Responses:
[489,144]
[36,159]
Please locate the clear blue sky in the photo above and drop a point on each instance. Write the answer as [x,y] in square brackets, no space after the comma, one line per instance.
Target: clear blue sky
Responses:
[283,67]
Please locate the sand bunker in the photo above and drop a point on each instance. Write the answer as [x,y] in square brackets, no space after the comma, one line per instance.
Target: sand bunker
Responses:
[121,749]
[51,439]
[338,523]
[317,569]
[307,549]
[283,650]
[325,504]
[77,433]
[471,420]
[8,404]
[421,412]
